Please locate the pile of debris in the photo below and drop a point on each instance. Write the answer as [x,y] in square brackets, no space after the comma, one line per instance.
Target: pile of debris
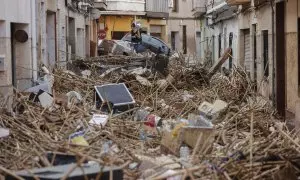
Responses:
[123,117]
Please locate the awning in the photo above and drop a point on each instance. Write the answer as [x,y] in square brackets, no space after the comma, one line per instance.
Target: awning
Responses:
[157,14]
[217,8]
[137,13]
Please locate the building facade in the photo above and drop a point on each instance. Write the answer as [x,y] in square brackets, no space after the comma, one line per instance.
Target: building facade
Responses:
[17,45]
[182,26]
[64,29]
[117,17]
[247,27]
[41,32]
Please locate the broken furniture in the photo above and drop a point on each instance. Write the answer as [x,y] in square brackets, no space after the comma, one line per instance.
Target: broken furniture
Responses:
[188,135]
[91,171]
[113,97]
[61,158]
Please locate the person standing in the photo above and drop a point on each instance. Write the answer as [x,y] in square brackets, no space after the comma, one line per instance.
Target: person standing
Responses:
[136,37]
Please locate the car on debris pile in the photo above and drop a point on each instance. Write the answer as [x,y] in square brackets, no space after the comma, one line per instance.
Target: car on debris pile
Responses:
[125,46]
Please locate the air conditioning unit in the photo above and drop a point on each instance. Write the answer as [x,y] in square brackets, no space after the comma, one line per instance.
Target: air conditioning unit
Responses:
[171,5]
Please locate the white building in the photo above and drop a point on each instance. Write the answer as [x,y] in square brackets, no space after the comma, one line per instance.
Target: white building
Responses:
[36,32]
[247,29]
[17,44]
[64,29]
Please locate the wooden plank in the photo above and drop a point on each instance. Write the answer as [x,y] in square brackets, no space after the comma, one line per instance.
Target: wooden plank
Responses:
[219,63]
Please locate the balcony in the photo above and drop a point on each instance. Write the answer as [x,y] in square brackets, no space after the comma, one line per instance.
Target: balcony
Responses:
[121,7]
[237,2]
[100,4]
[157,8]
[199,7]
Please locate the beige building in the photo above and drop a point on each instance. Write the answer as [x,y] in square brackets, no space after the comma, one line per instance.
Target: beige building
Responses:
[182,26]
[288,58]
[17,45]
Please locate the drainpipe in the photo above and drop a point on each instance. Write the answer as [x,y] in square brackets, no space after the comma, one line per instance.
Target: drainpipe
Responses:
[273,55]
[33,40]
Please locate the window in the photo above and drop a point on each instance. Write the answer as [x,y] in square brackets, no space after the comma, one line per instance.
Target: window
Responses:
[117,35]
[184,43]
[173,40]
[175,6]
[254,52]
[219,45]
[266,52]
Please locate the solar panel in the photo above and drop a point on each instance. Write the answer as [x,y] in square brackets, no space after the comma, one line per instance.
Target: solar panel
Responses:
[115,94]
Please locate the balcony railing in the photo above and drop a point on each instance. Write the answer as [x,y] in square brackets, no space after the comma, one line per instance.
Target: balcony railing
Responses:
[157,8]
[100,4]
[237,2]
[199,7]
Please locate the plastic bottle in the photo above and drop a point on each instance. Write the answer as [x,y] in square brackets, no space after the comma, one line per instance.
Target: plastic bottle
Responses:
[141,115]
[184,153]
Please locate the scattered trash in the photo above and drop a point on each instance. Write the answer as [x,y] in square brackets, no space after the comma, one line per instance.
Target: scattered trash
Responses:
[59,172]
[221,149]
[184,153]
[77,138]
[186,96]
[4,132]
[73,97]
[99,119]
[114,97]
[46,100]
[143,81]
[86,73]
[170,174]
[133,165]
[164,83]
[61,158]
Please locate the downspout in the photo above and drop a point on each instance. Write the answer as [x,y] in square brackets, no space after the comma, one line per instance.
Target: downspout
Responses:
[273,56]
[33,40]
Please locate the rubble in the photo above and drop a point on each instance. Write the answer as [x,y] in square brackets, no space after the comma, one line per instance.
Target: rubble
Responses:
[244,140]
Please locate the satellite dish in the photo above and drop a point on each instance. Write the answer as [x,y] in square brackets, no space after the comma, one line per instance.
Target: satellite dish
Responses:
[21,36]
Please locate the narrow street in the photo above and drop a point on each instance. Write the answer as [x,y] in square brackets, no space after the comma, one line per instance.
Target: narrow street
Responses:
[146,89]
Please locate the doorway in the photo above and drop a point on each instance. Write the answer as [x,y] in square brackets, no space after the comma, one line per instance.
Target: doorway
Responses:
[184,40]
[198,43]
[254,54]
[280,59]
[51,39]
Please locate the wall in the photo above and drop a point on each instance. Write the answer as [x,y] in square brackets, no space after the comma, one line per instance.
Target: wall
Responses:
[117,23]
[262,17]
[123,24]
[183,16]
[291,55]
[18,12]
[125,5]
[67,33]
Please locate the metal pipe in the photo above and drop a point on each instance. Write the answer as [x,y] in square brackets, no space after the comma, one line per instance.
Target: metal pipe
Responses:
[33,40]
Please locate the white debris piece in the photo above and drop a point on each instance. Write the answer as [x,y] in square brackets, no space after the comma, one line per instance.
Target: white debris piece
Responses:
[4,132]
[99,119]
[186,96]
[73,97]
[46,100]
[86,73]
[143,81]
[219,106]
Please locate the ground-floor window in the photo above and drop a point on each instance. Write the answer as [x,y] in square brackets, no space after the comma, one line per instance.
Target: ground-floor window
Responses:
[117,35]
